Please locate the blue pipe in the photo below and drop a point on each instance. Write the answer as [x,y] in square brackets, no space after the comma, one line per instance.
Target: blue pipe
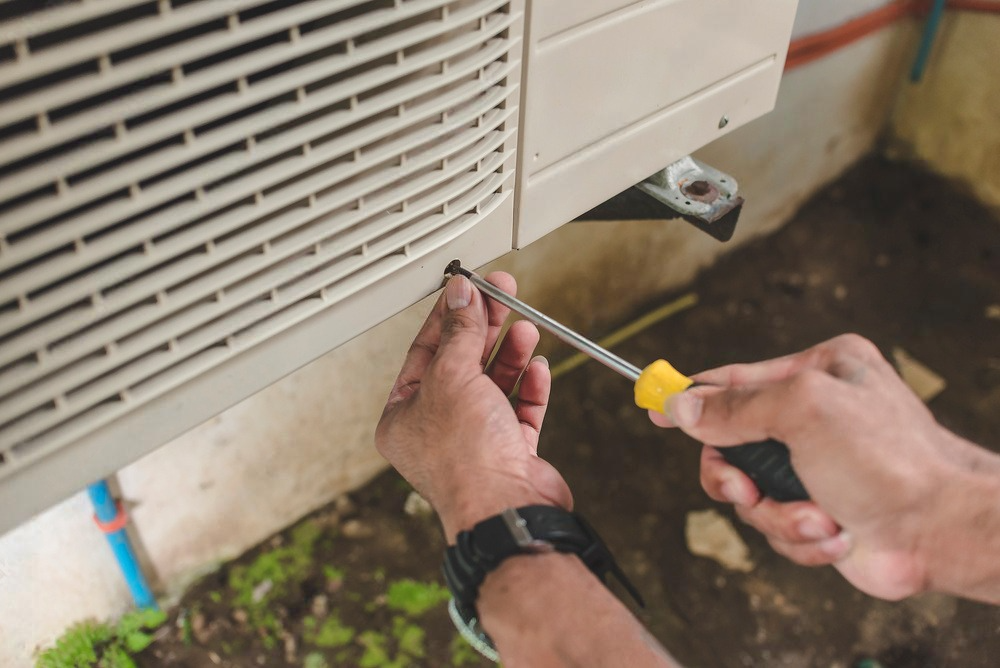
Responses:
[106,511]
[927,42]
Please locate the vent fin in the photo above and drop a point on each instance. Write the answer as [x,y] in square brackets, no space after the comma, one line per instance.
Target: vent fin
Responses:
[181,181]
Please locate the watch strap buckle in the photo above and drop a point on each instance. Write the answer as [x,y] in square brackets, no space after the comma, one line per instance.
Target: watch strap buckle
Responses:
[518,527]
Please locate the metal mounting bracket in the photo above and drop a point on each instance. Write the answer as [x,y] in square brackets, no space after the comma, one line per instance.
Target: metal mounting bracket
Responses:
[704,196]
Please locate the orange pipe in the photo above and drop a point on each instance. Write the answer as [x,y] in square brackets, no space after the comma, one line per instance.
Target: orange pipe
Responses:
[813,47]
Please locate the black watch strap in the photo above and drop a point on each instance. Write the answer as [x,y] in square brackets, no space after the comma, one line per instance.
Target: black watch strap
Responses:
[526,530]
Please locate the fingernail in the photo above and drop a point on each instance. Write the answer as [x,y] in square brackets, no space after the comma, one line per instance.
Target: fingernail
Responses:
[458,292]
[541,359]
[836,547]
[684,409]
[734,492]
[813,528]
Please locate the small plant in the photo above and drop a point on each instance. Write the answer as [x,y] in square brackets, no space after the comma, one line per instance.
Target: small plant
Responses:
[315,660]
[409,638]
[415,598]
[376,655]
[333,574]
[257,586]
[90,644]
[330,634]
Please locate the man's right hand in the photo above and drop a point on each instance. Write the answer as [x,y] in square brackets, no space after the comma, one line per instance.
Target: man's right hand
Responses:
[899,504]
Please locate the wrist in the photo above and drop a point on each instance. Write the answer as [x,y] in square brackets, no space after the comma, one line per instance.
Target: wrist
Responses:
[472,504]
[531,606]
[963,536]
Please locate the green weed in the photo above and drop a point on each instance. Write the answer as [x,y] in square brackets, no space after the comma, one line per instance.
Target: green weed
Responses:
[333,574]
[409,638]
[332,633]
[376,655]
[257,586]
[315,660]
[90,644]
[415,598]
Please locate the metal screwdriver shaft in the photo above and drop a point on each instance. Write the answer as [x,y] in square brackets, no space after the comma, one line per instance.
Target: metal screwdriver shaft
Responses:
[560,331]
[768,463]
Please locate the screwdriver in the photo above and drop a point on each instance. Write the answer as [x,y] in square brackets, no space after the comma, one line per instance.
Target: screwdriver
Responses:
[767,463]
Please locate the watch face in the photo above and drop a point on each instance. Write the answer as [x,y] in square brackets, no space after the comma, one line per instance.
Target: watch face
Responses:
[470,630]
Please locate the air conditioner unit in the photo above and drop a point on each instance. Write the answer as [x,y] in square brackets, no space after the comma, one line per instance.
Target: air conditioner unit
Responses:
[199,196]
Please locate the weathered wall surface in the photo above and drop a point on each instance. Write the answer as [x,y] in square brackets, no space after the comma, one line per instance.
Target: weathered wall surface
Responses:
[230,483]
[951,119]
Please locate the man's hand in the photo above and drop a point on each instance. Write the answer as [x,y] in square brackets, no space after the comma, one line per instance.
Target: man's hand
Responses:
[895,497]
[448,426]
[450,430]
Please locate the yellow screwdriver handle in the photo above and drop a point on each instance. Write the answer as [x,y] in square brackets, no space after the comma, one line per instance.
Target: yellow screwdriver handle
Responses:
[657,383]
[768,463]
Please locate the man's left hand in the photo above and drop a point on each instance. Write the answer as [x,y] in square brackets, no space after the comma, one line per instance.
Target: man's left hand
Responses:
[448,426]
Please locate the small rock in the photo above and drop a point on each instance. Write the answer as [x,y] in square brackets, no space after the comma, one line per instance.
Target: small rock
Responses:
[356,529]
[329,519]
[261,659]
[417,505]
[925,383]
[261,590]
[993,311]
[291,647]
[840,293]
[277,541]
[321,605]
[198,628]
[240,616]
[882,260]
[215,658]
[344,505]
[711,535]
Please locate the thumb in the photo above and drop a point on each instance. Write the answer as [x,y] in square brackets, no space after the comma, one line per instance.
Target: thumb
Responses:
[724,416]
[463,330]
[746,414]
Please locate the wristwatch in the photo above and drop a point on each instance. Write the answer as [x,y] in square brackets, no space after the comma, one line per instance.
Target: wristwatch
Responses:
[526,530]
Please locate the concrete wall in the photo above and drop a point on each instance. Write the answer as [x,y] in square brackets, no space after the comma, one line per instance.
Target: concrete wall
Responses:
[230,483]
[951,119]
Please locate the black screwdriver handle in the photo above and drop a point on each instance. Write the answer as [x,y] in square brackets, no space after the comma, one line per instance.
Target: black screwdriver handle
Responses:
[769,464]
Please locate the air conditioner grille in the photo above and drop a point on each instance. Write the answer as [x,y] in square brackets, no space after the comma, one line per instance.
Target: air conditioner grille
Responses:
[182,180]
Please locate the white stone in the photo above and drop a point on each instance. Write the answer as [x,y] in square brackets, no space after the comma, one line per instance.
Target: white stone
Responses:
[711,535]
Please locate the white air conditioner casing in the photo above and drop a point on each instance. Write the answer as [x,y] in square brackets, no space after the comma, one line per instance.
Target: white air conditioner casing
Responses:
[199,196]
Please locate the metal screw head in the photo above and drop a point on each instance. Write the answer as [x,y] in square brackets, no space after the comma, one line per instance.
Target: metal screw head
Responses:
[723,122]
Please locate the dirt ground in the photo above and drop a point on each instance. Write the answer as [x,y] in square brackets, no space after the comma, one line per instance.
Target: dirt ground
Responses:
[889,251]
